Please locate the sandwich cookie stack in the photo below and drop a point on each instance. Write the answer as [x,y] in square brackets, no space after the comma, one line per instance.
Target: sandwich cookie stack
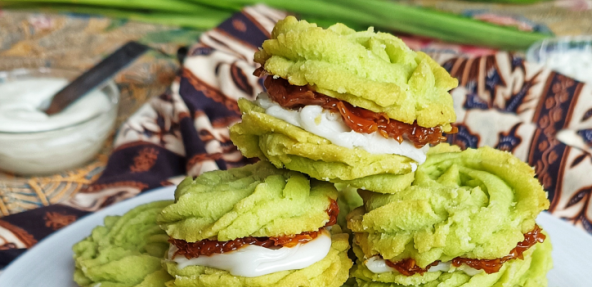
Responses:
[467,220]
[255,226]
[355,108]
[360,109]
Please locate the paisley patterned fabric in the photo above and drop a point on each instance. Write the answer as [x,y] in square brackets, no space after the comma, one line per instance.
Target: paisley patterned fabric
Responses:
[543,117]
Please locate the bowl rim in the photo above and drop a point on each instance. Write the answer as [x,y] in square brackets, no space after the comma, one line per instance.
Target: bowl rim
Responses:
[114,98]
[534,52]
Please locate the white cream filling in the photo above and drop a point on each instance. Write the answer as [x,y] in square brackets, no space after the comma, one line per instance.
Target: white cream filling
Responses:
[254,261]
[378,265]
[331,126]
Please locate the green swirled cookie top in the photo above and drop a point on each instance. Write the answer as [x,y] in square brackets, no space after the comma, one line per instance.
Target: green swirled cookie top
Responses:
[376,71]
[126,251]
[257,200]
[474,204]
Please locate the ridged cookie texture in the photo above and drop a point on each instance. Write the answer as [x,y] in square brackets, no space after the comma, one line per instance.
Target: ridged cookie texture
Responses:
[375,71]
[528,272]
[125,252]
[332,271]
[477,204]
[257,200]
[263,136]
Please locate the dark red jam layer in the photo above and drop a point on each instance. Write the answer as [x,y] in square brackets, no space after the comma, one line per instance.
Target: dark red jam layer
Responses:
[208,247]
[494,265]
[358,119]
[408,267]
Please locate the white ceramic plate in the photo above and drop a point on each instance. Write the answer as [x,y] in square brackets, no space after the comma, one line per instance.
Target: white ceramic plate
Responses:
[50,264]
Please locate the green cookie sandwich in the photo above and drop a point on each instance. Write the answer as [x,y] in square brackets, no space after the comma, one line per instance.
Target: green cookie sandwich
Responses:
[467,220]
[255,226]
[350,107]
[125,252]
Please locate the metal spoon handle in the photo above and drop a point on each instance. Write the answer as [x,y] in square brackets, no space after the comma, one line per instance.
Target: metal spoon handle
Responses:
[95,76]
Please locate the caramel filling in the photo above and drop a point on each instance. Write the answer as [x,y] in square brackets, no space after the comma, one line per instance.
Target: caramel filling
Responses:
[408,267]
[358,119]
[208,247]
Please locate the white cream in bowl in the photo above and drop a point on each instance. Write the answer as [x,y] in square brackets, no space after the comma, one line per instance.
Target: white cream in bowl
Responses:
[33,143]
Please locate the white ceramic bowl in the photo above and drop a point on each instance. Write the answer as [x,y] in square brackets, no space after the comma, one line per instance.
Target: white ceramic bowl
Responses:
[55,150]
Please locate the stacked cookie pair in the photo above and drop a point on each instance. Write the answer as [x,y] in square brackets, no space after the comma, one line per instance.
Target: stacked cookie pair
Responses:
[255,226]
[356,110]
[468,219]
[360,109]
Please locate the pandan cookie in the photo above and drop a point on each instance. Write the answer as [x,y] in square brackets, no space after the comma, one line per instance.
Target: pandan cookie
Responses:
[257,200]
[126,251]
[478,204]
[375,71]
[255,226]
